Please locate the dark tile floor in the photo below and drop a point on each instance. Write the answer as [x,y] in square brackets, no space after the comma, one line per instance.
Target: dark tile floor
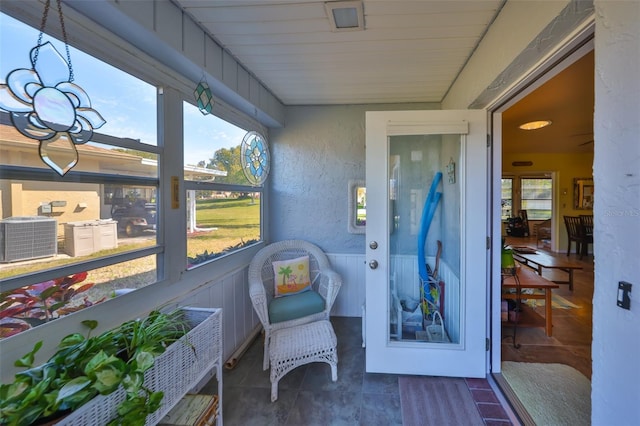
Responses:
[308,397]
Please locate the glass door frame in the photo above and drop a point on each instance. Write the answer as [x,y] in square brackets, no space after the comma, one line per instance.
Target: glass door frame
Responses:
[469,357]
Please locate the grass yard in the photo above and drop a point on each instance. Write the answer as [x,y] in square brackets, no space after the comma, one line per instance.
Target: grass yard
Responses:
[231,222]
[234,221]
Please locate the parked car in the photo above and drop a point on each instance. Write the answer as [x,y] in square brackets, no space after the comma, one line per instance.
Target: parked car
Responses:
[135,218]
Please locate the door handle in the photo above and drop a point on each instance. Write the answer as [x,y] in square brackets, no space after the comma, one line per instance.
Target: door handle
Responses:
[373,264]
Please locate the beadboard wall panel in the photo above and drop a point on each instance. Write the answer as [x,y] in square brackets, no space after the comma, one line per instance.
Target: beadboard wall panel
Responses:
[193,40]
[407,287]
[231,293]
[168,24]
[452,304]
[351,268]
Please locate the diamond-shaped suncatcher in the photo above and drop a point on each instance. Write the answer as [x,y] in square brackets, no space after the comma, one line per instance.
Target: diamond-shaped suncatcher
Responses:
[204,99]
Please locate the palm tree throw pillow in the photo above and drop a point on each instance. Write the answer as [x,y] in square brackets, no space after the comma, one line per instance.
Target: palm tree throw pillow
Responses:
[291,276]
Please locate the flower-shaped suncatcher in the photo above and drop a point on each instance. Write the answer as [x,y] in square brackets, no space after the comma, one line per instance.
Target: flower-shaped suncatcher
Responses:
[255,158]
[45,105]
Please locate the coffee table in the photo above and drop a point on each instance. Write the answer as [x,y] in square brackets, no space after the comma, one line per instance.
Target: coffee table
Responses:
[538,261]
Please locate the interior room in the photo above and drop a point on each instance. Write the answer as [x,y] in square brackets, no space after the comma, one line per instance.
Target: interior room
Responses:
[557,156]
[307,212]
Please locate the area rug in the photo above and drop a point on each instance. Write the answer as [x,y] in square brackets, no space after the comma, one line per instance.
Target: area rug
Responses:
[553,394]
[438,401]
[557,302]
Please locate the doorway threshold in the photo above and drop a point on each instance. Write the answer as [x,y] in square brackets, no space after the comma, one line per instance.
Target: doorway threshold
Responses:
[512,400]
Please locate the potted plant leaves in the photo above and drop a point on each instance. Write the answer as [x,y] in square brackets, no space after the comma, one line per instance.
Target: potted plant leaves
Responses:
[83,368]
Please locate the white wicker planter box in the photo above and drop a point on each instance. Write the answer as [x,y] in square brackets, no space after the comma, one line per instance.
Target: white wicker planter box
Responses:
[181,367]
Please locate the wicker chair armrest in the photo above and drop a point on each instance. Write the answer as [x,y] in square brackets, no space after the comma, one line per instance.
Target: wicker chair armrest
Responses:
[259,301]
[329,286]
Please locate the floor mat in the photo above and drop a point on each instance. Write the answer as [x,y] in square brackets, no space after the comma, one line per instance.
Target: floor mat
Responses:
[427,400]
[553,394]
[558,302]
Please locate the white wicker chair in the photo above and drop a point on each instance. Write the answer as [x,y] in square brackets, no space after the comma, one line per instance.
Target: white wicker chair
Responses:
[324,281]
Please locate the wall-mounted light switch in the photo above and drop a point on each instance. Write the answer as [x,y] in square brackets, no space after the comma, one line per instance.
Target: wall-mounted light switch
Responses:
[624,296]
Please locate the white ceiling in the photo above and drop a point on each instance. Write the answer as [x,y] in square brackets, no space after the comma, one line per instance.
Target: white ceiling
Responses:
[410,51]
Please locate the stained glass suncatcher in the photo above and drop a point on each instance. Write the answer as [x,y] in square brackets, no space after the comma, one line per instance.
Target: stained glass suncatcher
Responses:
[45,105]
[204,98]
[255,158]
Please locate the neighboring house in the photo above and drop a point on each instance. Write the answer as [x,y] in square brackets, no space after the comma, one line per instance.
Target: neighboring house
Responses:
[76,201]
[327,147]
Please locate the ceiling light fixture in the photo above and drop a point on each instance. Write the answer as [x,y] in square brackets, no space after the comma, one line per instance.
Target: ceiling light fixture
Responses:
[535,125]
[345,15]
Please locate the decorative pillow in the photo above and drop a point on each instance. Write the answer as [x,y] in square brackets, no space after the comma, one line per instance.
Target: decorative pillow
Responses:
[291,276]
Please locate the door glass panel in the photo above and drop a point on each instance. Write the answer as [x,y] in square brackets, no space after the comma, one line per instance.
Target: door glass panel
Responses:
[425,238]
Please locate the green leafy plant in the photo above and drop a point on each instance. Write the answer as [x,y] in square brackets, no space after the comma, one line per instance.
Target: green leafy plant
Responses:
[28,306]
[206,256]
[83,368]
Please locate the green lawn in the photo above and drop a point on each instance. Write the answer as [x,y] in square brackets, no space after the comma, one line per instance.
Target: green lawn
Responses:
[235,221]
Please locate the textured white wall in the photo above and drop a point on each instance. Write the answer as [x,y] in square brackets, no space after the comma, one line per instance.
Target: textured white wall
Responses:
[313,157]
[616,332]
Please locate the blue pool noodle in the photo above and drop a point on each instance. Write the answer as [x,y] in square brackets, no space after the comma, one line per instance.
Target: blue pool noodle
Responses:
[428,212]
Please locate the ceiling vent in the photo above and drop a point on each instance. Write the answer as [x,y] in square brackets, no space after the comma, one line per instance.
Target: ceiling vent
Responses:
[345,15]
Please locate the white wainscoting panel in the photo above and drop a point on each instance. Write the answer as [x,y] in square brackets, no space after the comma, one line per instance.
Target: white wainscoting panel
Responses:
[408,286]
[351,268]
[239,319]
[452,303]
[231,294]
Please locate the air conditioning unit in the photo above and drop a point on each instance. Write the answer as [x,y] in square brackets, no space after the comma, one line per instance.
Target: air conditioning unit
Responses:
[28,237]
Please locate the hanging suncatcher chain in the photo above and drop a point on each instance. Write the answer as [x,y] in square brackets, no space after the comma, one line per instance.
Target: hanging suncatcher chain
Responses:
[43,24]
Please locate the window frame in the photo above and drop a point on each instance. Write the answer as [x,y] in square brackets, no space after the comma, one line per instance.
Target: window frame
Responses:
[238,119]
[522,199]
[25,173]
[512,179]
[173,88]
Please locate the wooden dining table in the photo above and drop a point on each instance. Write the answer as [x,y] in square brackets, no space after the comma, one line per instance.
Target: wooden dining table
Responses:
[528,279]
[539,261]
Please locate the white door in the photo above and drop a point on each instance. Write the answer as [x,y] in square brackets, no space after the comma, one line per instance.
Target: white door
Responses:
[426,242]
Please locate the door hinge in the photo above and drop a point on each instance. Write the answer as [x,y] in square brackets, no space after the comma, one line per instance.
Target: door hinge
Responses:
[488,141]
[488,344]
[488,243]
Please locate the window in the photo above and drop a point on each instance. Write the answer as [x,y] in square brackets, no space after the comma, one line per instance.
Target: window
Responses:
[223,211]
[536,197]
[506,199]
[91,233]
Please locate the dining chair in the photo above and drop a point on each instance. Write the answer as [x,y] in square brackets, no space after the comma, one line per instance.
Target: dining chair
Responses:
[586,221]
[576,233]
